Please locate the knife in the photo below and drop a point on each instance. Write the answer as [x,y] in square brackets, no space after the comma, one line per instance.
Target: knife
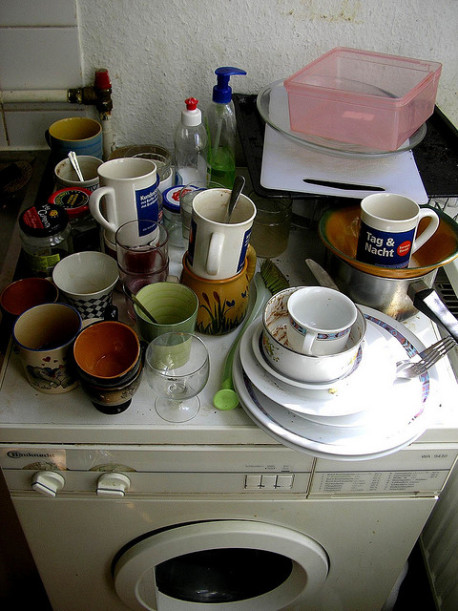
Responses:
[345,186]
[324,279]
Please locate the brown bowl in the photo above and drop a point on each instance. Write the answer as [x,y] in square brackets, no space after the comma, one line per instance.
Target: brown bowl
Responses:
[339,228]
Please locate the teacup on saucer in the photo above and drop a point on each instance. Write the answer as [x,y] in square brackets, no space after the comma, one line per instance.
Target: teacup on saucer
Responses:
[311,369]
[328,389]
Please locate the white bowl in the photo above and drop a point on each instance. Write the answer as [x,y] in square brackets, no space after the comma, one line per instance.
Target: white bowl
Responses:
[297,366]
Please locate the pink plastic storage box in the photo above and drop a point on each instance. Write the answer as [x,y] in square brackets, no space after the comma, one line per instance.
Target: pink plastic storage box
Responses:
[362,97]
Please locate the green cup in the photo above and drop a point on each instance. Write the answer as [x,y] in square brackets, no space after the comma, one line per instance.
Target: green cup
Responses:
[170,352]
[173,305]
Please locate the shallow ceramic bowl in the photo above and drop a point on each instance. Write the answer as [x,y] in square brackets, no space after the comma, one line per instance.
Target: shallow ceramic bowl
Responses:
[301,367]
[339,230]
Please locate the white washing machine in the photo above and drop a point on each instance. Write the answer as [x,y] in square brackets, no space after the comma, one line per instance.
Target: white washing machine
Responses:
[129,512]
[214,526]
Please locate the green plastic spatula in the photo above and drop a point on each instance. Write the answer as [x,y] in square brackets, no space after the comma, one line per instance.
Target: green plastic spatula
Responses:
[226,397]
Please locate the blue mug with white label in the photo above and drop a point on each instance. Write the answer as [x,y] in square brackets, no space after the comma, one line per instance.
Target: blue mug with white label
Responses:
[389,223]
[128,192]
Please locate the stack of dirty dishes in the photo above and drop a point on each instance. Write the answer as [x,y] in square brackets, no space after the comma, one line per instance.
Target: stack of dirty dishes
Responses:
[306,352]
[311,339]
[219,262]
[318,373]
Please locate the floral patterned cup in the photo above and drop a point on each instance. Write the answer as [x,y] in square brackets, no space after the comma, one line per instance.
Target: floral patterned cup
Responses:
[222,303]
[44,336]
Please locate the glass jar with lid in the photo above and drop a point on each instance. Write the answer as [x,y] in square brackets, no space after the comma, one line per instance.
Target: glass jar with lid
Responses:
[46,237]
[85,230]
[172,215]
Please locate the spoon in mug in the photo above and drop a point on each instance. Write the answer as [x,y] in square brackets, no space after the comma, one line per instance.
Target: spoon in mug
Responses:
[75,164]
[128,293]
[239,183]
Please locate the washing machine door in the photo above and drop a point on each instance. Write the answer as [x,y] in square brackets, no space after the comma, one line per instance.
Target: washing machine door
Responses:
[233,565]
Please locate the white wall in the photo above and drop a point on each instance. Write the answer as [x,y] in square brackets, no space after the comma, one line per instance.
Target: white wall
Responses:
[159,52]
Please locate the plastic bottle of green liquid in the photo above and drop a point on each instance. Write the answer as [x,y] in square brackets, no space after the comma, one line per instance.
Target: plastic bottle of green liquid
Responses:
[222,130]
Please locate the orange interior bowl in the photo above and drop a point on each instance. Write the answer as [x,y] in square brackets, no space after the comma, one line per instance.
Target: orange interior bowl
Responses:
[339,229]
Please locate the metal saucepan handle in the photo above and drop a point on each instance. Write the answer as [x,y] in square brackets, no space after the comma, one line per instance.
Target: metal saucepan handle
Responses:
[429,303]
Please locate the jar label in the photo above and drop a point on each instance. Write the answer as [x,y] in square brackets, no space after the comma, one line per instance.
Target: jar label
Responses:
[42,264]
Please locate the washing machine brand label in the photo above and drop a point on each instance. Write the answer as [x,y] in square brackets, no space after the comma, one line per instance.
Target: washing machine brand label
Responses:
[23,458]
[17,454]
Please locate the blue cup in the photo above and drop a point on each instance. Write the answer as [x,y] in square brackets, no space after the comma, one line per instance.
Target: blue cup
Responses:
[79,134]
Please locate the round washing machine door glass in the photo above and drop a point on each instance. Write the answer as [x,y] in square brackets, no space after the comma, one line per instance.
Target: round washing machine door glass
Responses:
[237,565]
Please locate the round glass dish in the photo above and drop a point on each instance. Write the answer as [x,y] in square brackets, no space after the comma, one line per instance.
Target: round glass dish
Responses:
[279,120]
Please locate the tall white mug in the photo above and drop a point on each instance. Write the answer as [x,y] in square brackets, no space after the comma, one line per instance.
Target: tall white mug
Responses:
[128,191]
[217,250]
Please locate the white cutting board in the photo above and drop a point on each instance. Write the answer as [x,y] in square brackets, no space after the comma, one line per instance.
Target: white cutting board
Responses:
[286,164]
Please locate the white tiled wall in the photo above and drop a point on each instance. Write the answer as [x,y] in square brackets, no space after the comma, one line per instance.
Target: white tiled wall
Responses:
[39,50]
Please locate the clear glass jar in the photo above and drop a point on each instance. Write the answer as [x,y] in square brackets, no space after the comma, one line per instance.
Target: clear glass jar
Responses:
[172,215]
[45,233]
[161,157]
[85,230]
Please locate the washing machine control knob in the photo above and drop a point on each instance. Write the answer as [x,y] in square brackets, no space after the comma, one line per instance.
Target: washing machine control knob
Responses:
[48,482]
[112,484]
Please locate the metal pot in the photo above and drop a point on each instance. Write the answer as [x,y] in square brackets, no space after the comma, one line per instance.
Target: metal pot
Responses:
[399,298]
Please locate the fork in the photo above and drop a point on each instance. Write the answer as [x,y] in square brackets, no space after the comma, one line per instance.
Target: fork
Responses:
[429,356]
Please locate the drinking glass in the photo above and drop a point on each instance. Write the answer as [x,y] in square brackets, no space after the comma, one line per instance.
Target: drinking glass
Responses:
[142,255]
[270,233]
[187,194]
[177,368]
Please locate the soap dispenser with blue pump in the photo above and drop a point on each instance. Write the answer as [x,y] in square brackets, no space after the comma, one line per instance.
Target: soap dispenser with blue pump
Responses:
[222,130]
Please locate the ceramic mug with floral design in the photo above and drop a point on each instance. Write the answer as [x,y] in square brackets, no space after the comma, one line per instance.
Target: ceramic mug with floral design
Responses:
[222,303]
[44,335]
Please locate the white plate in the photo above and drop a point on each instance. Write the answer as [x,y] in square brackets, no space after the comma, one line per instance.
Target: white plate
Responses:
[320,400]
[382,431]
[375,374]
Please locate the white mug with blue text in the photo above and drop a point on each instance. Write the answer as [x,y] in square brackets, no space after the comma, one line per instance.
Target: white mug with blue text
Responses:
[217,250]
[389,224]
[128,191]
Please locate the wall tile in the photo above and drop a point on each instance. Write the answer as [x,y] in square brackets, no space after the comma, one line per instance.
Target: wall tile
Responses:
[40,58]
[38,13]
[26,128]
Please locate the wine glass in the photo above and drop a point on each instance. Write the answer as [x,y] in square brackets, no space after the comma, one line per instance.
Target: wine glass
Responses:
[177,368]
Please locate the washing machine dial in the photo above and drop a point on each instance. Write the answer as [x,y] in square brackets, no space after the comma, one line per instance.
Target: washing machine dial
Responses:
[48,482]
[113,484]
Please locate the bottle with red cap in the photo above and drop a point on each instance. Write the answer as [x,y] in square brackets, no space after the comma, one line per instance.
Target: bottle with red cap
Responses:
[190,146]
